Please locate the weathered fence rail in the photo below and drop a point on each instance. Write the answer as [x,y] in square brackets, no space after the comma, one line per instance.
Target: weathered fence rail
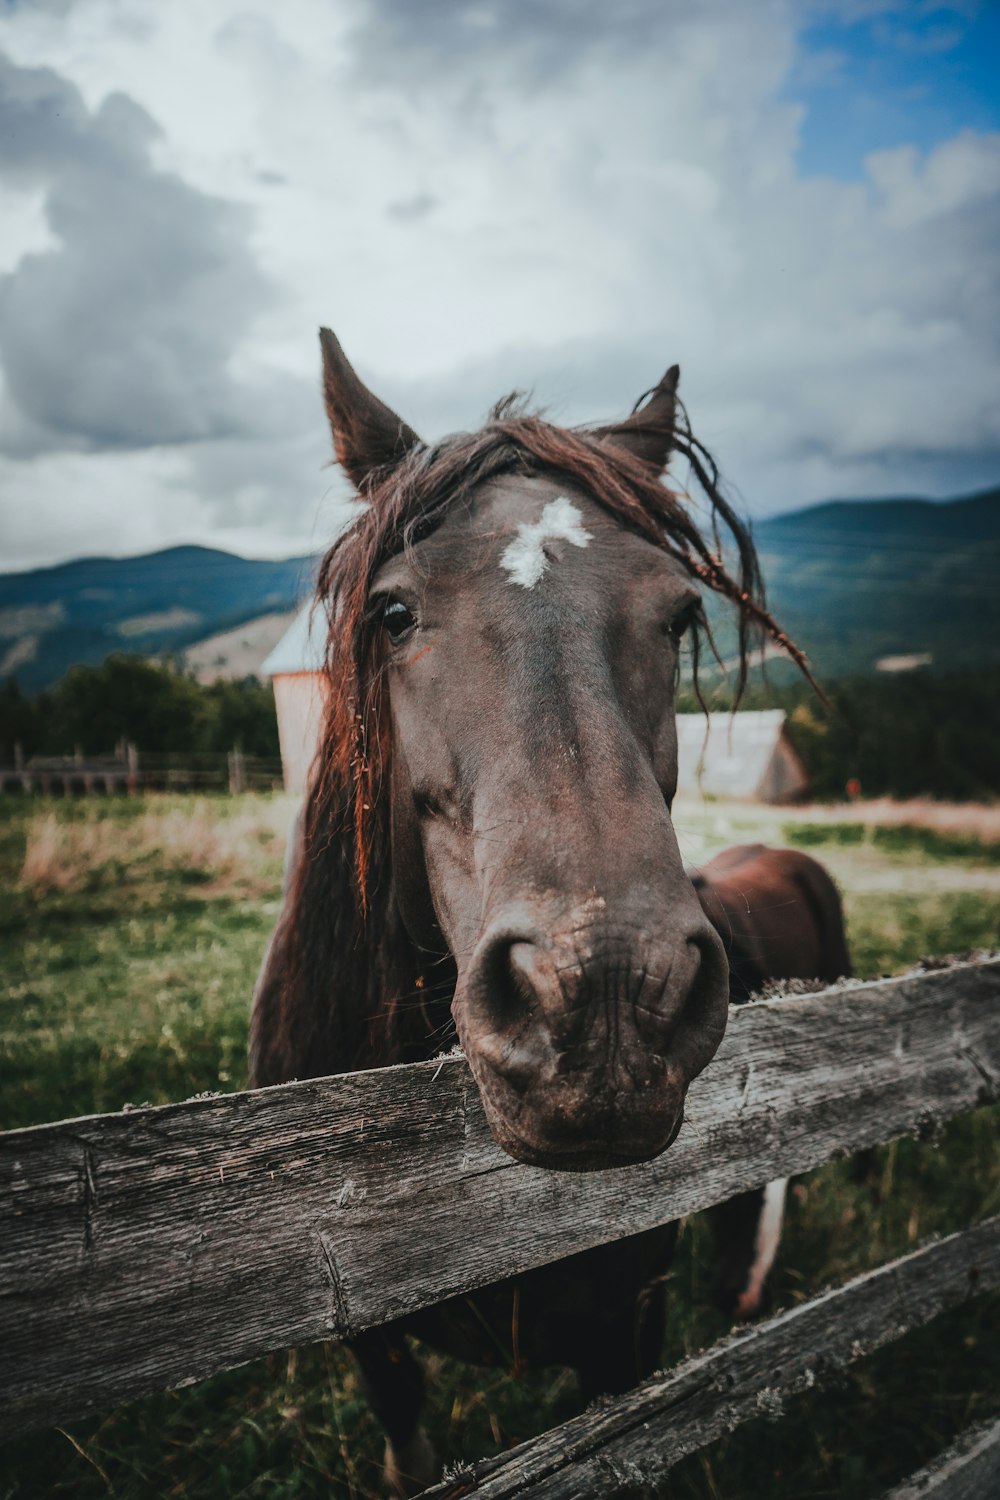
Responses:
[157,1246]
[970,1470]
[637,1439]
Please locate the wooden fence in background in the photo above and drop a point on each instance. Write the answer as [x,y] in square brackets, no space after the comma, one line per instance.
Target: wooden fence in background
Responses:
[158,1246]
[127,772]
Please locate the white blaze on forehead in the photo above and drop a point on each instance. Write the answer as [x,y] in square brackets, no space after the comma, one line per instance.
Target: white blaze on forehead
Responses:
[524,558]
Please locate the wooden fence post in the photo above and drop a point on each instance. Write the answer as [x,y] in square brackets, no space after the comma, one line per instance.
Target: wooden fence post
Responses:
[19,767]
[237,772]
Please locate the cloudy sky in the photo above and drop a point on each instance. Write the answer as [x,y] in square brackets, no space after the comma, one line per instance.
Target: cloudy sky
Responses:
[799,200]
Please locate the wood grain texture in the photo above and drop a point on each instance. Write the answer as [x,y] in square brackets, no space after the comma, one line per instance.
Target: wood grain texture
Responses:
[970,1470]
[155,1247]
[629,1444]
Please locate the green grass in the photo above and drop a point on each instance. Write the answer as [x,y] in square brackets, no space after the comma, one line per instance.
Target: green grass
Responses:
[129,958]
[131,984]
[896,1410]
[158,1009]
[893,931]
[896,838]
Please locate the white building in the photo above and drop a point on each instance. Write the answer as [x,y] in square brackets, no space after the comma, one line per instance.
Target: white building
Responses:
[295,668]
[742,755]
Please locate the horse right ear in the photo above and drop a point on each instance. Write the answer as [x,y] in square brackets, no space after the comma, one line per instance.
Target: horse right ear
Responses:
[649,432]
[367,434]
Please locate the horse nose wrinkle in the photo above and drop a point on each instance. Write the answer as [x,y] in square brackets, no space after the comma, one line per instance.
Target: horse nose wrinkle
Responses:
[704,1005]
[549,992]
[524,968]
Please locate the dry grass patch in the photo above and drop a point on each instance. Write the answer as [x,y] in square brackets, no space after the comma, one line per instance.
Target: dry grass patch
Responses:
[224,852]
[979,820]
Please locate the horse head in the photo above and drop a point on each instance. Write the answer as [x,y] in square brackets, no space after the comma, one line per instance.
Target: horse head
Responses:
[506,618]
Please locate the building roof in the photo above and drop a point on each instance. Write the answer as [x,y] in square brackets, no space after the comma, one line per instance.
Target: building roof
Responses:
[730,755]
[302,647]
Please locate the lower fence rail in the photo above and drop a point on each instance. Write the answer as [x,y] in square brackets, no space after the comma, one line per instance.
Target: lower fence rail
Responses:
[633,1441]
[970,1470]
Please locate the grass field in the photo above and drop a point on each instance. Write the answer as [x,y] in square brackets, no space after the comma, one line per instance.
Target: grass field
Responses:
[131,932]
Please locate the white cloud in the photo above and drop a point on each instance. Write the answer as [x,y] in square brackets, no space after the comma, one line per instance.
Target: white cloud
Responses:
[959,174]
[565,197]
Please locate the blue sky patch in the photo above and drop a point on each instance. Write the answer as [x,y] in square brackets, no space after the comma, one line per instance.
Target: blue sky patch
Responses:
[916,75]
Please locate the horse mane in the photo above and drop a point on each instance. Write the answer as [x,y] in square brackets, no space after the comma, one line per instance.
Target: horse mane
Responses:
[344,986]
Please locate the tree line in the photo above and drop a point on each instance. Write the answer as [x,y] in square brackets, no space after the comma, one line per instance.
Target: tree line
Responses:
[907,735]
[155,707]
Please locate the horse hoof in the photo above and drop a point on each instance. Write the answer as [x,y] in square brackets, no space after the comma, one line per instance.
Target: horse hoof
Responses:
[412,1466]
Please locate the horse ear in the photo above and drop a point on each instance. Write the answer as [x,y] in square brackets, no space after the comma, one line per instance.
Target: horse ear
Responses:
[367,434]
[649,431]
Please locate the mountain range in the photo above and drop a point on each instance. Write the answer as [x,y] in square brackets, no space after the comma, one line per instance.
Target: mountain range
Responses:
[162,602]
[857,583]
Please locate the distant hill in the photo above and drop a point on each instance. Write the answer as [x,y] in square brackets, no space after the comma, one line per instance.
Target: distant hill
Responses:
[233,655]
[853,581]
[857,581]
[81,611]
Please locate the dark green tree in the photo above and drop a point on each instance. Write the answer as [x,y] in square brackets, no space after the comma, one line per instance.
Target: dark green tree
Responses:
[154,706]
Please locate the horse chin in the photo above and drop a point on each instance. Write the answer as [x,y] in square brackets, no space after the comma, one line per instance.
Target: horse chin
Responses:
[589,1154]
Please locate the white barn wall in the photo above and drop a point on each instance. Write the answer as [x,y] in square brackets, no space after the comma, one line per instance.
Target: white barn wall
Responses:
[744,756]
[299,698]
[294,667]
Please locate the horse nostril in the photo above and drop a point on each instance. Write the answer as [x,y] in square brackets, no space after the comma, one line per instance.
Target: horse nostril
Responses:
[702,1020]
[523,991]
[523,963]
[510,981]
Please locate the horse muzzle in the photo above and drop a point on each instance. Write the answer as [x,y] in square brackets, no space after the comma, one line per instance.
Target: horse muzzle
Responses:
[583,1043]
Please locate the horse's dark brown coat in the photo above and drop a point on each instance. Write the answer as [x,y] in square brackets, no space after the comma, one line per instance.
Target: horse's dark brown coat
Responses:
[487,839]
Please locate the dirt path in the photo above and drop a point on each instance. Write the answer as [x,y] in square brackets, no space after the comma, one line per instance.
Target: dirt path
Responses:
[979,820]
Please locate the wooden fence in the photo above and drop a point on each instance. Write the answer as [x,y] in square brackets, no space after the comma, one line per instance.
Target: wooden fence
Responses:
[127,772]
[158,1246]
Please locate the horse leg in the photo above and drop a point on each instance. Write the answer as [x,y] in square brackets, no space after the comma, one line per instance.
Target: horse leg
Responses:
[747,1232]
[619,1358]
[394,1385]
[627,1346]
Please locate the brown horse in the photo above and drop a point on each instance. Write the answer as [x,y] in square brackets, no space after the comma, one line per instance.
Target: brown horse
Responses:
[779,916]
[486,846]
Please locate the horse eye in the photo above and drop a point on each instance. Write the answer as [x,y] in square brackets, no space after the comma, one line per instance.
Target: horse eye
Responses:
[398,620]
[679,624]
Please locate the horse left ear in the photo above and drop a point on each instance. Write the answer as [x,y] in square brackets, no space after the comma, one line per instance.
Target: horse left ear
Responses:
[649,431]
[367,434]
